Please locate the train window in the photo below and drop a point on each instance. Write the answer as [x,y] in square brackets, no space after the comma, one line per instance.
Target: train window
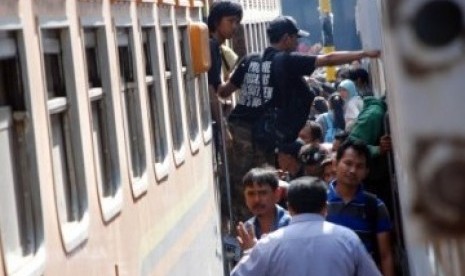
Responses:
[68,175]
[250,38]
[21,223]
[174,94]
[205,113]
[132,106]
[157,110]
[191,88]
[103,126]
[255,37]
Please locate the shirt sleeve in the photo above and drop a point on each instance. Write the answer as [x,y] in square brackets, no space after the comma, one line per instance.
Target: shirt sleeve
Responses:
[254,263]
[214,73]
[384,222]
[365,266]
[300,65]
[237,76]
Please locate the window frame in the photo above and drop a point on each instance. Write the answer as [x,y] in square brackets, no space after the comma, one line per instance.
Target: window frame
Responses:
[158,95]
[172,79]
[191,88]
[34,260]
[110,205]
[73,232]
[139,184]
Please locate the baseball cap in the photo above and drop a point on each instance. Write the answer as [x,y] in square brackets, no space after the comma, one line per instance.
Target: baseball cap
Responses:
[285,25]
[292,148]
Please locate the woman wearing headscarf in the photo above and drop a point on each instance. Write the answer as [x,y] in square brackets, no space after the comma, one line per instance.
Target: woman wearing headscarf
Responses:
[332,121]
[353,102]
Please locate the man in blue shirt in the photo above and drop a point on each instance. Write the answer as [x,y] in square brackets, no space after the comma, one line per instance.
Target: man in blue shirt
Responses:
[350,206]
[309,245]
[261,195]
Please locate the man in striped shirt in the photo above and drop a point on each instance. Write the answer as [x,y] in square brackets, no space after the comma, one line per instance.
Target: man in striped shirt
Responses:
[349,205]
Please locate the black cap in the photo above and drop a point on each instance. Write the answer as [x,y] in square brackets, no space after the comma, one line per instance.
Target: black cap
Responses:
[285,25]
[292,149]
[312,155]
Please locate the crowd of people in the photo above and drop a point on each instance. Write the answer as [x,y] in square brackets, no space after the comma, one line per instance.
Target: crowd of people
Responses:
[313,204]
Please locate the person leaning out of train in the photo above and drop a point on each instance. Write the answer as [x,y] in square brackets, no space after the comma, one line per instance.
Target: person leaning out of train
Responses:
[261,195]
[223,21]
[309,245]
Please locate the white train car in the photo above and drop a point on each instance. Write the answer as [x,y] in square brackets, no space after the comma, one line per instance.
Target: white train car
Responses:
[105,141]
[424,69]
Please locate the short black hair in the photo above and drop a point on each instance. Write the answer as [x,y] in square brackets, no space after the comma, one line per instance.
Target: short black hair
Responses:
[341,135]
[220,9]
[263,176]
[359,74]
[307,194]
[358,146]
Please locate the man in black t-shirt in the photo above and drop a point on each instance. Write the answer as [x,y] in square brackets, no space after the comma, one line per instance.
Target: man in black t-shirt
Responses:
[281,69]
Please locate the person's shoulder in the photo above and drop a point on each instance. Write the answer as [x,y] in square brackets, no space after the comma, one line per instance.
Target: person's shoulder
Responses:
[341,232]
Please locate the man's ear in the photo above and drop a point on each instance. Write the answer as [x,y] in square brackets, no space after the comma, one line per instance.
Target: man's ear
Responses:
[278,193]
[284,38]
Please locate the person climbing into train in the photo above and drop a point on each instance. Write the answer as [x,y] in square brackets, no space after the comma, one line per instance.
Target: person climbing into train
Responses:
[273,81]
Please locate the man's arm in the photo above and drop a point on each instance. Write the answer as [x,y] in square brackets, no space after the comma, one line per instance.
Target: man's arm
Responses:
[342,57]
[246,235]
[364,262]
[256,263]
[385,253]
[226,89]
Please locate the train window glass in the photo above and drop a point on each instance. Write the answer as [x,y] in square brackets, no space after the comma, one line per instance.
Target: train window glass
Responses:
[261,36]
[173,90]
[191,88]
[256,38]
[103,131]
[205,113]
[70,187]
[157,110]
[132,108]
[21,223]
[251,42]
[264,37]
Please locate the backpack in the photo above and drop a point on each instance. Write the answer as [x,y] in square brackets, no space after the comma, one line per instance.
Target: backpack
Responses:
[286,113]
[371,211]
[330,129]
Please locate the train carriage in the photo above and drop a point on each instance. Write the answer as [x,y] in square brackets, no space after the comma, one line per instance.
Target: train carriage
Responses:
[107,149]
[106,138]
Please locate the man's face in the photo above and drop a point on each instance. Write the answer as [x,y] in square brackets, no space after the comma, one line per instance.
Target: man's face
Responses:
[228,26]
[328,172]
[292,42]
[260,199]
[306,135]
[351,169]
[286,162]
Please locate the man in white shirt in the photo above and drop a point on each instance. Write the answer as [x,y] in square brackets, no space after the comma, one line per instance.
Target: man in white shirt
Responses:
[309,245]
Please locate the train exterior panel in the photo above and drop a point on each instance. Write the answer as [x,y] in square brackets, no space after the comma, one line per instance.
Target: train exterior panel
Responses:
[106,138]
[422,72]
